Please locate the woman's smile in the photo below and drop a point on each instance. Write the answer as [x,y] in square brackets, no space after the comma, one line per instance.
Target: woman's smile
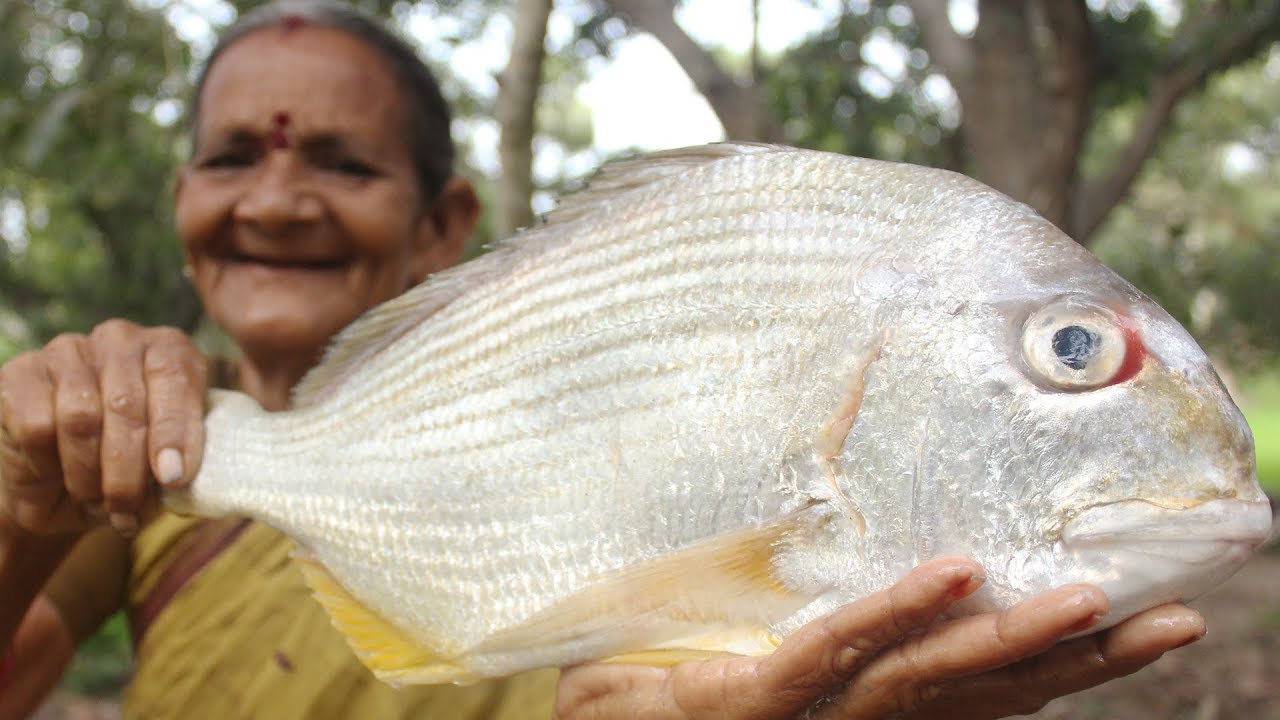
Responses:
[286,263]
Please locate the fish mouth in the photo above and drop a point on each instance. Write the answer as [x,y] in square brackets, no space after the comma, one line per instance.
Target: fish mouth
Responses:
[1144,553]
[1156,526]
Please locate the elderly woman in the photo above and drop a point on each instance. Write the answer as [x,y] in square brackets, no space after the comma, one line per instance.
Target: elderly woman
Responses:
[321,184]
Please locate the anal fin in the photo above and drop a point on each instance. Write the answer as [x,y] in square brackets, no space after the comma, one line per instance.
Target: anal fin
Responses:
[716,597]
[715,644]
[386,650]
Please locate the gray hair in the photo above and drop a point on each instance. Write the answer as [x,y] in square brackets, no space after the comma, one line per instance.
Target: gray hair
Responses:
[427,113]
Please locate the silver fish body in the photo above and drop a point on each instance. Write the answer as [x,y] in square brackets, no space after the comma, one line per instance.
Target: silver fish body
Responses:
[724,391]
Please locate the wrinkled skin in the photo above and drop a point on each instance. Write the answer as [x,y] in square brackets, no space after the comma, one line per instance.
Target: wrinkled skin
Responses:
[86,420]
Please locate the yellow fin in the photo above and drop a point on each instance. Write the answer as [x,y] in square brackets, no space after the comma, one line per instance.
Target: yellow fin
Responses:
[715,644]
[663,657]
[715,597]
[391,655]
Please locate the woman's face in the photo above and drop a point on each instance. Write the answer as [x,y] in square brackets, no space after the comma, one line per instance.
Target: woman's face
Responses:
[301,207]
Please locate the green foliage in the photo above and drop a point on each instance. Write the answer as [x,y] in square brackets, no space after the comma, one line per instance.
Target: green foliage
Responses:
[1199,232]
[1260,399]
[1266,434]
[854,106]
[104,661]
[89,95]
[1130,51]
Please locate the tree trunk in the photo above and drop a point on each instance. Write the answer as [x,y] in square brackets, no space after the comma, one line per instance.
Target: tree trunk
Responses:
[515,108]
[739,105]
[1026,79]
[1024,93]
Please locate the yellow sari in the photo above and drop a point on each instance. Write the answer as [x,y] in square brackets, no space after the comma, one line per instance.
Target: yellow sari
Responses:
[242,638]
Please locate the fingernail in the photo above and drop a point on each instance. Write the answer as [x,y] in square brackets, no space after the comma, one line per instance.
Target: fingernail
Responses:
[1086,623]
[125,524]
[1190,640]
[169,466]
[968,587]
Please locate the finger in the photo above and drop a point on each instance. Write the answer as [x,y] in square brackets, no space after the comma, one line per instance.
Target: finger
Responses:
[820,658]
[604,691]
[28,449]
[1069,667]
[912,673]
[175,377]
[78,417]
[124,423]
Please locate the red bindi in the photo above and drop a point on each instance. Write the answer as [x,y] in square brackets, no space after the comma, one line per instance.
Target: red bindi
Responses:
[292,22]
[278,139]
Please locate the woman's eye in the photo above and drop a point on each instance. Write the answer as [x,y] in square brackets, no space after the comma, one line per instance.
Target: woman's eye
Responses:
[1073,346]
[352,167]
[236,158]
[346,166]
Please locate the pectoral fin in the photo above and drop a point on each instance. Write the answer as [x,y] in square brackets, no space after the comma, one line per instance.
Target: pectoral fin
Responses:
[388,652]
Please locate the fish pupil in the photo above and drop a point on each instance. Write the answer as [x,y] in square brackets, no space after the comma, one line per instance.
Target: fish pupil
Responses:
[1074,346]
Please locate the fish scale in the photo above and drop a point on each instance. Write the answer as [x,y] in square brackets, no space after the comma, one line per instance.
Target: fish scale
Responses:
[720,392]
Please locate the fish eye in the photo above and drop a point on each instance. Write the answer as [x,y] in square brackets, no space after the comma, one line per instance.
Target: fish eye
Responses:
[1073,346]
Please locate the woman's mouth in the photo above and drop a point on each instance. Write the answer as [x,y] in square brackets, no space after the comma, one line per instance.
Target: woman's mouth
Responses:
[288,263]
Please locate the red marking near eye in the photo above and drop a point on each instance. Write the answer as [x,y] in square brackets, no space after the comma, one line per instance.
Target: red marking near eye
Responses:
[278,139]
[1135,351]
[292,22]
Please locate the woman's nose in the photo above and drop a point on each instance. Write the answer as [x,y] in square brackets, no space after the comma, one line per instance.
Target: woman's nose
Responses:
[279,194]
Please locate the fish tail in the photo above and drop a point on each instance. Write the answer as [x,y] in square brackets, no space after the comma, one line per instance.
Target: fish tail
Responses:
[228,463]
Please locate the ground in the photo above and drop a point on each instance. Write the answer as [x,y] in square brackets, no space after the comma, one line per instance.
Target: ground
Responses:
[1232,674]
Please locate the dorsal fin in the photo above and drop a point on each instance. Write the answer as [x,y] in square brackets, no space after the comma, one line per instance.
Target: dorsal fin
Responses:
[382,326]
[622,176]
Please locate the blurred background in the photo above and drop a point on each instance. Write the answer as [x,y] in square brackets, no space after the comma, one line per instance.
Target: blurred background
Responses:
[1147,129]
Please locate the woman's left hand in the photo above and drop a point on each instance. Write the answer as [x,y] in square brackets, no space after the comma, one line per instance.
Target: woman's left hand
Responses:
[884,655]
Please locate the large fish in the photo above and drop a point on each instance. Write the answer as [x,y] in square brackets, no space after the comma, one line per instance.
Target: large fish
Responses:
[723,391]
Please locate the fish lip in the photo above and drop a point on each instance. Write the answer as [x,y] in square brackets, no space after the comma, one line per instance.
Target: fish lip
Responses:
[1205,530]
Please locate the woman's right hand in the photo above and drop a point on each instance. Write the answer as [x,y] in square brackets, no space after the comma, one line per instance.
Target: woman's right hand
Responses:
[888,655]
[89,423]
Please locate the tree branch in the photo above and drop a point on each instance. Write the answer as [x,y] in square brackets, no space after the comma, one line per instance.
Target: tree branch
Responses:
[951,52]
[738,107]
[515,108]
[1201,52]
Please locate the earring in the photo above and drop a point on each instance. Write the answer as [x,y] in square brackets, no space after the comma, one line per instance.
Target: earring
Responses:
[188,272]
